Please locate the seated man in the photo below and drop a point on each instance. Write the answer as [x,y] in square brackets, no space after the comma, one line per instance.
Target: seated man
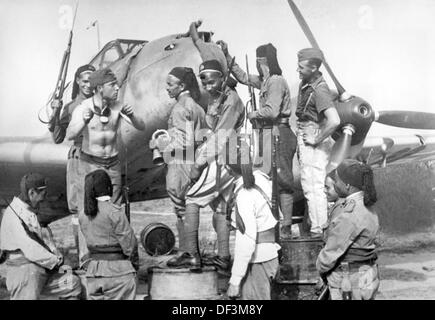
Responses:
[32,264]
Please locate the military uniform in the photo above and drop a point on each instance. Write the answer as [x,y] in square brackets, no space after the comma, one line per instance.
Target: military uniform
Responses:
[313,99]
[227,121]
[255,253]
[112,245]
[29,261]
[351,237]
[275,111]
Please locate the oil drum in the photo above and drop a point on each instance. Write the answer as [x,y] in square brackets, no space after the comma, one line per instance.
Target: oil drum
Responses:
[157,239]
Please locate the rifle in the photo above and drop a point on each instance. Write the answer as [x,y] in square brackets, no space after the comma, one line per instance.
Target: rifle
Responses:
[275,206]
[61,78]
[251,105]
[220,101]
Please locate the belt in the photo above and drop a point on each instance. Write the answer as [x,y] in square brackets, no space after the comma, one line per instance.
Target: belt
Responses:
[267,124]
[16,258]
[108,162]
[108,256]
[355,265]
[266,236]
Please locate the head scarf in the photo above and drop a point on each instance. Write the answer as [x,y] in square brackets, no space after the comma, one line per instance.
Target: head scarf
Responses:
[268,51]
[83,69]
[97,184]
[188,78]
[360,176]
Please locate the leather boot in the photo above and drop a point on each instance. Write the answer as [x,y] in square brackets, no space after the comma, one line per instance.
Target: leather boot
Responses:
[286,205]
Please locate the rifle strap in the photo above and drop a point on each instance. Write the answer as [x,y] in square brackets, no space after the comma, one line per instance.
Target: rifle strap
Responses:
[32,235]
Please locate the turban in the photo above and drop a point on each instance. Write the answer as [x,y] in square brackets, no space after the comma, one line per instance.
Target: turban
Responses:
[97,184]
[100,77]
[268,51]
[354,173]
[188,78]
[210,65]
[310,53]
[83,69]
[31,181]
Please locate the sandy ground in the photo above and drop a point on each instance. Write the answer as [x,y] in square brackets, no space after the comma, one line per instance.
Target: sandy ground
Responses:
[407,268]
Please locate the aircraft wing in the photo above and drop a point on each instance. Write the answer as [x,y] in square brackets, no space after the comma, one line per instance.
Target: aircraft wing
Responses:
[379,151]
[21,155]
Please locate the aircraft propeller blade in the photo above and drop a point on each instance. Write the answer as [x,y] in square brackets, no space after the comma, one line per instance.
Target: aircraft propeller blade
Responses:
[341,148]
[407,119]
[307,31]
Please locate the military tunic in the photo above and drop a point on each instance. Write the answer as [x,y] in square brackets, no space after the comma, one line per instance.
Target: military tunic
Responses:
[28,261]
[109,232]
[185,127]
[351,237]
[275,109]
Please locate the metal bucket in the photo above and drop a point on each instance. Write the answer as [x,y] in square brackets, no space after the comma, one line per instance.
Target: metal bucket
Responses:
[157,239]
[182,284]
[298,261]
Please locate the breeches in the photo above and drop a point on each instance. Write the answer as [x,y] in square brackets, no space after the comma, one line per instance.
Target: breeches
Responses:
[365,283]
[313,162]
[28,281]
[74,187]
[112,288]
[177,183]
[285,153]
[202,193]
[257,282]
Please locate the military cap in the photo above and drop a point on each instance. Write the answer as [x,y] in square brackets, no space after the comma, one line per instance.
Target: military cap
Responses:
[210,65]
[101,77]
[33,181]
[310,53]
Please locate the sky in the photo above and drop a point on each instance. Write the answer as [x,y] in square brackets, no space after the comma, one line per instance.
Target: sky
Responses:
[380,50]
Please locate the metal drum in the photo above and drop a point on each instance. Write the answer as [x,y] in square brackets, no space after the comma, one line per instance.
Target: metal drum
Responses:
[182,284]
[298,262]
[157,239]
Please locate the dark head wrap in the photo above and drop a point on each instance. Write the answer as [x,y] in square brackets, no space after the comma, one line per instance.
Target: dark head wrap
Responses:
[97,184]
[100,77]
[80,70]
[268,51]
[188,78]
[359,175]
[241,163]
[31,181]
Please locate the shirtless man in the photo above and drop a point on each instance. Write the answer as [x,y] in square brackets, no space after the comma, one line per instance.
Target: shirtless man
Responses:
[97,119]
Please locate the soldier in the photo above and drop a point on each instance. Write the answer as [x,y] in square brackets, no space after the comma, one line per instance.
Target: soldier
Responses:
[74,188]
[111,271]
[185,122]
[212,185]
[351,235]
[81,91]
[99,146]
[275,111]
[255,252]
[317,120]
[32,262]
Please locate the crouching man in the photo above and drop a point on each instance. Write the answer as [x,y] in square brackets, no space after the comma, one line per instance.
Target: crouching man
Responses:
[32,263]
[348,260]
[256,253]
